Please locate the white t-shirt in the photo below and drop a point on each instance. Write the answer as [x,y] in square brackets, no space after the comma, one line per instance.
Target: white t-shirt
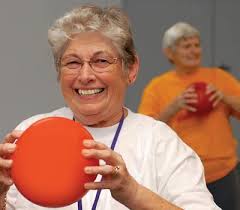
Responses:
[154,156]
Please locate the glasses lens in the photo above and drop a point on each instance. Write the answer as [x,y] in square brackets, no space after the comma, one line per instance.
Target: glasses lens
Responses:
[101,64]
[98,64]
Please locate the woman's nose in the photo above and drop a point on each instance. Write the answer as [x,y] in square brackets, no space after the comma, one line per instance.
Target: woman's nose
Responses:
[196,48]
[86,74]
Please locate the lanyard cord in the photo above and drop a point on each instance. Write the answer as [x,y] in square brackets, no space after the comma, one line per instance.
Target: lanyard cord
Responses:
[115,138]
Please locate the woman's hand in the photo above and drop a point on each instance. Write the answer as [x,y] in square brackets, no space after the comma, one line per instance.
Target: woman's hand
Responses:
[115,176]
[182,101]
[186,98]
[7,147]
[216,95]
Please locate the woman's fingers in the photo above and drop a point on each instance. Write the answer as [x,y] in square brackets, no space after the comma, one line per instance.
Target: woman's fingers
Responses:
[216,97]
[94,144]
[106,184]
[115,176]
[5,178]
[7,148]
[210,89]
[189,93]
[190,89]
[113,170]
[187,98]
[112,177]
[190,108]
[99,150]
[5,163]
[103,170]
[5,166]
[11,137]
[108,155]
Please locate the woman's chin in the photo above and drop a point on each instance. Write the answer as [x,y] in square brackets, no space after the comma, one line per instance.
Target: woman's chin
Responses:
[193,64]
[89,112]
[90,120]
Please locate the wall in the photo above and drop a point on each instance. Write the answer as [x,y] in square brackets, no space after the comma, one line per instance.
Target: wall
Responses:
[28,81]
[227,46]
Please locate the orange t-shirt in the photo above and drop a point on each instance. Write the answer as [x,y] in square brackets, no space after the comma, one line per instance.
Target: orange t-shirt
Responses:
[209,135]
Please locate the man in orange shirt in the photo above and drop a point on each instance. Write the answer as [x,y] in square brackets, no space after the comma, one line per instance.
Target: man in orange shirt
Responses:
[171,98]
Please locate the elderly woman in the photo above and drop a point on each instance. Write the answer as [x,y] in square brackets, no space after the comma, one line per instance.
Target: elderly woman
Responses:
[209,134]
[150,168]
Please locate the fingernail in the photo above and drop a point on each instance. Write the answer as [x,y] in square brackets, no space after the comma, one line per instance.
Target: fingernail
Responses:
[11,147]
[85,152]
[8,163]
[87,170]
[9,181]
[87,186]
[88,142]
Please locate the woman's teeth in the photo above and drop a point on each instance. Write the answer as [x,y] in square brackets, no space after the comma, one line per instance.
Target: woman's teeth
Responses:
[89,92]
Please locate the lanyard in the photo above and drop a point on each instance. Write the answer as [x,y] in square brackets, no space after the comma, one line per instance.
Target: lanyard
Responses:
[115,138]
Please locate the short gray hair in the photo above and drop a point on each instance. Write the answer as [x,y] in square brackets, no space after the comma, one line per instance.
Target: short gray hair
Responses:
[111,22]
[176,32]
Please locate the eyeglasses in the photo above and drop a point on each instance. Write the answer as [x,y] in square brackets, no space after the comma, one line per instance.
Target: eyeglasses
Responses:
[98,64]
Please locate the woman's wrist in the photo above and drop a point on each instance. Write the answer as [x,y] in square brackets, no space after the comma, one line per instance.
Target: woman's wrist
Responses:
[126,195]
[3,201]
[132,200]
[3,196]
[171,110]
[232,101]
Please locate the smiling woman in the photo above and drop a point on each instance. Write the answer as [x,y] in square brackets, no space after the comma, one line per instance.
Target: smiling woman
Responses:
[94,89]
[141,159]
[207,132]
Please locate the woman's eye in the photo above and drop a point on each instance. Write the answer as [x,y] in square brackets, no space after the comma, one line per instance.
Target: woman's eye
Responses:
[73,64]
[101,60]
[101,63]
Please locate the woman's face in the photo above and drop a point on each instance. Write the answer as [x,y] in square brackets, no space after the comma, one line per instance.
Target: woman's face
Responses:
[187,53]
[96,98]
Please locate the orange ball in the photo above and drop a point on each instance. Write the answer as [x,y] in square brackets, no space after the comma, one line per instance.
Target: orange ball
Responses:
[48,167]
[203,105]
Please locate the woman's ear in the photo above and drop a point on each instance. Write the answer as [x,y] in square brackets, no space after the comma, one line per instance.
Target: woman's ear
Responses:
[133,71]
[168,53]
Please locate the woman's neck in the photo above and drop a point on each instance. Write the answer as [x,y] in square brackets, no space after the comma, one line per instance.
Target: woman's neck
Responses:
[111,120]
[182,71]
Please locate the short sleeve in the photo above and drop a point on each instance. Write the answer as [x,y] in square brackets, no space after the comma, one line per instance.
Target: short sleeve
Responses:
[183,178]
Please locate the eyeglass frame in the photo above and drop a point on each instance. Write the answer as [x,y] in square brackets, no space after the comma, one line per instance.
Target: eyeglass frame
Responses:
[90,63]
